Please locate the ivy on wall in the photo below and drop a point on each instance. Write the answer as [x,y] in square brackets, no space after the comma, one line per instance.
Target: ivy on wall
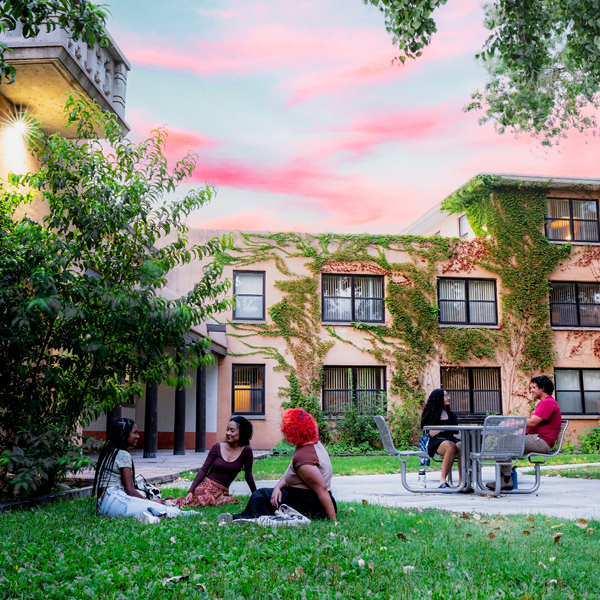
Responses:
[508,217]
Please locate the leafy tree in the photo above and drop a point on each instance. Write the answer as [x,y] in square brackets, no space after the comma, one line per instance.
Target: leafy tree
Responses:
[542,58]
[83,19]
[82,321]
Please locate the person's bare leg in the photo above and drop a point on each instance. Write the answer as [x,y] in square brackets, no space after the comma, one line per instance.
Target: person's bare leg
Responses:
[448,450]
[458,452]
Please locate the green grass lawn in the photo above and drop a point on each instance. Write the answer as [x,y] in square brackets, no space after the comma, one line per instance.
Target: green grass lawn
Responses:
[64,551]
[576,473]
[273,467]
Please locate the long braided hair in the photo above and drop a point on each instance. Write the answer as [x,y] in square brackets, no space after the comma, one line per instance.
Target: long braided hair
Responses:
[117,439]
[434,407]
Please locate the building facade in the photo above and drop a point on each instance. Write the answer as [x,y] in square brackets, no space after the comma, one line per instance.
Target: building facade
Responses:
[358,319]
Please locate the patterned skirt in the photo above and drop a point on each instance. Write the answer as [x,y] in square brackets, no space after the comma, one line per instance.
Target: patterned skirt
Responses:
[208,493]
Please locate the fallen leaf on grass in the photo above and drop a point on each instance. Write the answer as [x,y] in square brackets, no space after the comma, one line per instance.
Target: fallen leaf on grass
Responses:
[590,531]
[582,523]
[552,558]
[351,508]
[464,515]
[556,526]
[526,532]
[552,581]
[526,597]
[360,562]
[201,585]
[458,524]
[297,574]
[476,516]
[371,567]
[497,527]
[414,531]
[530,519]
[408,569]
[175,579]
[556,537]
[173,540]
[485,522]
[469,535]
[401,536]
[491,536]
[365,501]
[541,564]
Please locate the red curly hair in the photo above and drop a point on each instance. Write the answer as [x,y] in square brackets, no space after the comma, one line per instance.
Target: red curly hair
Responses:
[299,427]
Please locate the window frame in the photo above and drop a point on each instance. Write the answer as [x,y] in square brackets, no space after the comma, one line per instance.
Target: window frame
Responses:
[572,220]
[471,390]
[246,319]
[576,303]
[264,387]
[352,297]
[582,390]
[463,220]
[352,390]
[467,301]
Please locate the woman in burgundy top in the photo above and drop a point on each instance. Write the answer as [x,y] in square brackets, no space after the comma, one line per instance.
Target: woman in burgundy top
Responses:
[225,460]
[306,485]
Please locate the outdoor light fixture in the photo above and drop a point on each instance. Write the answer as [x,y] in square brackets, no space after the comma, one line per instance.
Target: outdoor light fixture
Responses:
[20,123]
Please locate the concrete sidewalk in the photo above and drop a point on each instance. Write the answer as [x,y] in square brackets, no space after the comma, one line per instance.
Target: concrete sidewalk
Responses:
[165,467]
[557,497]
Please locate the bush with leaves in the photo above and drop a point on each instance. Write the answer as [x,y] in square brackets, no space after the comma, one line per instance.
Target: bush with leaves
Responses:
[590,440]
[358,429]
[83,324]
[42,456]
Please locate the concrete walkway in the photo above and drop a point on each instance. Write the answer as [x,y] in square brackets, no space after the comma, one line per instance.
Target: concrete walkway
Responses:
[557,497]
[165,467]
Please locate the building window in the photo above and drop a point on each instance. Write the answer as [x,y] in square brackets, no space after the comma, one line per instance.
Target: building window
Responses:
[362,387]
[571,220]
[467,301]
[351,298]
[249,291]
[574,304]
[578,390]
[463,227]
[248,397]
[473,391]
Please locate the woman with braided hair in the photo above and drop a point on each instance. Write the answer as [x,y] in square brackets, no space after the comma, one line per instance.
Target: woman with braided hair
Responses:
[115,475]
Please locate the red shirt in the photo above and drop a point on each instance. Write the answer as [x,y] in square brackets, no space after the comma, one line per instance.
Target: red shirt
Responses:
[549,429]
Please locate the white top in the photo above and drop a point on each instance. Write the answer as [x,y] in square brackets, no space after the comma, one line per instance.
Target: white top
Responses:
[113,478]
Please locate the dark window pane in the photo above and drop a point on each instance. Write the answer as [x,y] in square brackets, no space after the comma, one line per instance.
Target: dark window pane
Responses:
[563,307]
[248,389]
[585,209]
[569,402]
[484,395]
[563,314]
[557,208]
[368,310]
[337,309]
[452,289]
[337,286]
[585,231]
[337,392]
[591,386]
[368,287]
[562,292]
[482,312]
[558,230]
[453,312]
[481,290]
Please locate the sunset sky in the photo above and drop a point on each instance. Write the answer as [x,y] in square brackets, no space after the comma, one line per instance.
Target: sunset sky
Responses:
[301,120]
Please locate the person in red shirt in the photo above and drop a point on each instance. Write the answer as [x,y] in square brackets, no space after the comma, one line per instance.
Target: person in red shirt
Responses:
[543,426]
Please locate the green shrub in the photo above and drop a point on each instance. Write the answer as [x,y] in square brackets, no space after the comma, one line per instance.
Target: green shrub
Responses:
[284,448]
[40,458]
[568,448]
[590,440]
[358,430]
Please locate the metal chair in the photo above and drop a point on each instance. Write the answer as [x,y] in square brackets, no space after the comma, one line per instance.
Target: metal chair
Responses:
[404,456]
[502,443]
[536,463]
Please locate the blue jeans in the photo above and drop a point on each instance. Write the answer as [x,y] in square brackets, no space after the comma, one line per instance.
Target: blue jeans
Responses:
[116,503]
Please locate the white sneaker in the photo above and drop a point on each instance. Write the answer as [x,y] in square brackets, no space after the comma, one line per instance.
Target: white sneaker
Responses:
[148,519]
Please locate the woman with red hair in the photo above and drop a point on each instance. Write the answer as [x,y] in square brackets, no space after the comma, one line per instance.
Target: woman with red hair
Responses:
[306,484]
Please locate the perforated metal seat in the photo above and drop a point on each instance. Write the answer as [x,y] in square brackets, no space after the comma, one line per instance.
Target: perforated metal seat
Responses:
[536,463]
[404,456]
[502,443]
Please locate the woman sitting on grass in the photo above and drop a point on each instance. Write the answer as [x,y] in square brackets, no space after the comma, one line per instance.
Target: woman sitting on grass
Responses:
[445,443]
[306,484]
[115,475]
[225,460]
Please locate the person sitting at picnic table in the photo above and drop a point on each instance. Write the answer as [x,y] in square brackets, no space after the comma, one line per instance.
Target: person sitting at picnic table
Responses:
[306,484]
[114,485]
[543,427]
[225,460]
[445,443]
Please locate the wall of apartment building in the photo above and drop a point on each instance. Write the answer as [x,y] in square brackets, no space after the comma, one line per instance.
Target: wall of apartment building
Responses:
[574,349]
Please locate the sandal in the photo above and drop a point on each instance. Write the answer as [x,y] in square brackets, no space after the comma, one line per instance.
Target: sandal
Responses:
[443,485]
